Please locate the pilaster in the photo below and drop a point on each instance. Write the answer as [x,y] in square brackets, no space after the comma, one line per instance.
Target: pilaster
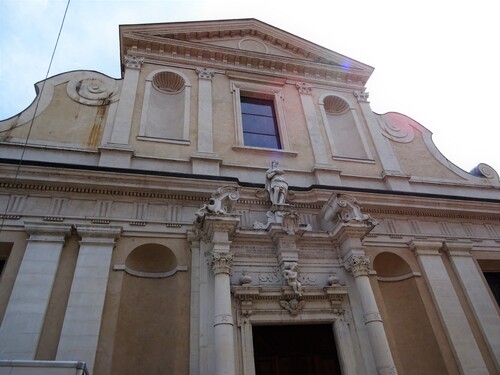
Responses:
[82,321]
[204,161]
[313,126]
[460,336]
[483,307]
[25,313]
[118,152]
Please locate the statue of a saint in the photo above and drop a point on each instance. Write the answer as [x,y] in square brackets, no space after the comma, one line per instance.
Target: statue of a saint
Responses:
[276,184]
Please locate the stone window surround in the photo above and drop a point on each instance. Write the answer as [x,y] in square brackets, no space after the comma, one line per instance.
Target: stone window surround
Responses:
[187,100]
[265,91]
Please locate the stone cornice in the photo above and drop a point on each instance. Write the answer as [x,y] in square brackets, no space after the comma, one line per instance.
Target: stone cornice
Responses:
[203,31]
[189,42]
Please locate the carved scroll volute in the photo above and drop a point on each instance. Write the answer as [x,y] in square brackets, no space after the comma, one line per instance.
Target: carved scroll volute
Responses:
[344,209]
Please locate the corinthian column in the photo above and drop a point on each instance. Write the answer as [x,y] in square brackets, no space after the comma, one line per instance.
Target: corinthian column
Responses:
[349,225]
[358,266]
[221,262]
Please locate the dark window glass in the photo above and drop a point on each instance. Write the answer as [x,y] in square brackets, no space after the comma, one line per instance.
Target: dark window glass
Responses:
[493,279]
[259,123]
[2,265]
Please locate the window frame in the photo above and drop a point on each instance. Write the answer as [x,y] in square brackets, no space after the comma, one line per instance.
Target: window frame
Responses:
[268,92]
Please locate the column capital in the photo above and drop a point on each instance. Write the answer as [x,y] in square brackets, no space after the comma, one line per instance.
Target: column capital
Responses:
[358,264]
[455,248]
[361,96]
[134,62]
[304,88]
[41,231]
[221,262]
[425,247]
[98,234]
[205,73]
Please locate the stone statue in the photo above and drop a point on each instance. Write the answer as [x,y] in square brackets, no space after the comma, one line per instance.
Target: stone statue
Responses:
[291,274]
[276,184]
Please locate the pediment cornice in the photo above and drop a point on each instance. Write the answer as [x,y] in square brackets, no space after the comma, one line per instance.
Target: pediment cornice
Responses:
[192,43]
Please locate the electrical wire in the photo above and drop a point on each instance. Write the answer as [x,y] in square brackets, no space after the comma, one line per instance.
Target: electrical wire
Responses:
[18,169]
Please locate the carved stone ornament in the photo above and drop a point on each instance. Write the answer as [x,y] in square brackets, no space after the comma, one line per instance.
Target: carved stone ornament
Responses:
[345,208]
[293,306]
[290,273]
[272,278]
[358,265]
[291,222]
[304,88]
[134,62]
[245,279]
[276,184]
[221,262]
[484,171]
[333,280]
[361,96]
[92,90]
[397,127]
[222,202]
[205,73]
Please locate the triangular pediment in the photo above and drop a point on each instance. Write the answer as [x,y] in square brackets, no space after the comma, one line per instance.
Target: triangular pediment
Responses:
[241,42]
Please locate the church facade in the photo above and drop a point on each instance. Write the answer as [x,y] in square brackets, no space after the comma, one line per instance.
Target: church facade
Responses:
[232,205]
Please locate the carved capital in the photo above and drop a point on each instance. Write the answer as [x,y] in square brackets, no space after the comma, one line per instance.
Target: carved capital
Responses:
[358,265]
[361,96]
[304,88]
[134,62]
[221,262]
[205,73]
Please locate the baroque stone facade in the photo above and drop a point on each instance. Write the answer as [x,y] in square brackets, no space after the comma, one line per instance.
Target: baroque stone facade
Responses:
[234,178]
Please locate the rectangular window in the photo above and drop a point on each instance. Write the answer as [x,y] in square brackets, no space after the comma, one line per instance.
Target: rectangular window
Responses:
[493,280]
[260,128]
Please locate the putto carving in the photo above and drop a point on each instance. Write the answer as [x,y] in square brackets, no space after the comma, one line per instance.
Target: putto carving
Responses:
[358,265]
[304,88]
[134,62]
[291,275]
[222,202]
[205,73]
[361,96]
[276,184]
[293,306]
[221,262]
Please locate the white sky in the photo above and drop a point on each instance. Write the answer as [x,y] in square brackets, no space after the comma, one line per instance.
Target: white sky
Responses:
[435,60]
